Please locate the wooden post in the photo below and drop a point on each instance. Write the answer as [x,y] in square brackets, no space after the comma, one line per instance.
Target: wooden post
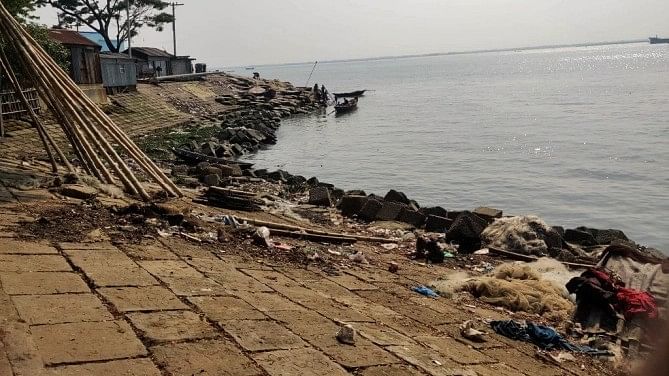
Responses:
[2,123]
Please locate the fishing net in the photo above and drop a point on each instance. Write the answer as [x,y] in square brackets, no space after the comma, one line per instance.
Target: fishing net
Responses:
[518,287]
[523,234]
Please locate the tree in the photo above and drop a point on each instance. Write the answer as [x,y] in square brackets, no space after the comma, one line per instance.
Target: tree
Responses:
[108,17]
[22,11]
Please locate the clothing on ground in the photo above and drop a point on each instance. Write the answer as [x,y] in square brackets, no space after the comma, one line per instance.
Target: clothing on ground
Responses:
[543,336]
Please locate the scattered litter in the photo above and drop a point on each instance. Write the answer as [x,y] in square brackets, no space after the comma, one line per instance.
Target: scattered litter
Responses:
[563,357]
[448,255]
[409,236]
[467,330]
[358,257]
[283,246]
[261,237]
[393,267]
[346,335]
[230,221]
[483,251]
[436,362]
[423,290]
[190,237]
[164,234]
[389,246]
[336,253]
[483,267]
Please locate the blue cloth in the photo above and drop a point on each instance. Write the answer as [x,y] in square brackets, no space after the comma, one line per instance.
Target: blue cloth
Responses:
[543,336]
[425,291]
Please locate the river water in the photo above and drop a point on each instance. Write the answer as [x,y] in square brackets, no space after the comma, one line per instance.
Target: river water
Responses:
[578,136]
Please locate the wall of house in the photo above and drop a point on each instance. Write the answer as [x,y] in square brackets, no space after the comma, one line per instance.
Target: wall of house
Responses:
[119,73]
[181,66]
[85,65]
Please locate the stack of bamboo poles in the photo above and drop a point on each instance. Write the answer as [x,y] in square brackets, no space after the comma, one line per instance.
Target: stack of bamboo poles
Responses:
[88,129]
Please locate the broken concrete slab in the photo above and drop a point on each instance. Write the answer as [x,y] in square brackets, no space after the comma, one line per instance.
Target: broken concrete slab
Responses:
[351,205]
[457,351]
[254,335]
[208,357]
[125,367]
[80,342]
[437,224]
[170,326]
[226,308]
[11,246]
[42,283]
[110,268]
[320,196]
[304,362]
[144,298]
[430,361]
[411,217]
[267,302]
[33,263]
[61,308]
[489,214]
[360,355]
[389,211]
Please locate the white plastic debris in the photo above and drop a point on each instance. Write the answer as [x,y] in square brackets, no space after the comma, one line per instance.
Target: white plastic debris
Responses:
[358,257]
[483,251]
[467,331]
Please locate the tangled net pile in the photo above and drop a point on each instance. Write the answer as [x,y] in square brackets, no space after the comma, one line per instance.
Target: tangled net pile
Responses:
[518,287]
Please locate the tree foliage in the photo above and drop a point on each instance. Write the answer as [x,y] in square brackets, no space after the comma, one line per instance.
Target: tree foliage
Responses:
[108,17]
[22,11]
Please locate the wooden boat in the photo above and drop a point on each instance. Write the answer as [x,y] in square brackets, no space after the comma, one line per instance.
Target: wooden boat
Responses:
[346,106]
[351,94]
[658,40]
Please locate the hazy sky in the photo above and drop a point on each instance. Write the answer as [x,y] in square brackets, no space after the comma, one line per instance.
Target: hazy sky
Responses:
[253,32]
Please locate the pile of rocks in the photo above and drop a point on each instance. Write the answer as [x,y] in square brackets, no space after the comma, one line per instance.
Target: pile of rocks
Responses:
[251,122]
[206,173]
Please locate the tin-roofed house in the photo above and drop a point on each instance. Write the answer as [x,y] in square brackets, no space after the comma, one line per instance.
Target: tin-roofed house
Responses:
[119,72]
[84,62]
[151,62]
[181,65]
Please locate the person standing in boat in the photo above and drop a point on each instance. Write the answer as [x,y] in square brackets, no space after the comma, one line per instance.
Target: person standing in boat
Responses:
[324,95]
[317,93]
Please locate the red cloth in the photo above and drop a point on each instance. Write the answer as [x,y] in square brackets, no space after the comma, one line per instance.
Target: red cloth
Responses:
[634,302]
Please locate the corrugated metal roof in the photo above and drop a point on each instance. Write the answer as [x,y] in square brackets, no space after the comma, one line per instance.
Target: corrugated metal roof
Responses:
[71,37]
[151,51]
[112,55]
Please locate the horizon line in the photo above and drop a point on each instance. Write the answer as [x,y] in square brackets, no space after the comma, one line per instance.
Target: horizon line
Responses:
[432,54]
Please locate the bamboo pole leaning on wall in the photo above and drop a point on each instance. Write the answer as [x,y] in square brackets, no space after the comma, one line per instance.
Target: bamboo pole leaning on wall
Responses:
[96,139]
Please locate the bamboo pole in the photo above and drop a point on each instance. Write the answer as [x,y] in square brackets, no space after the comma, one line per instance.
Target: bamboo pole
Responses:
[4,64]
[285,227]
[51,87]
[100,171]
[82,120]
[108,126]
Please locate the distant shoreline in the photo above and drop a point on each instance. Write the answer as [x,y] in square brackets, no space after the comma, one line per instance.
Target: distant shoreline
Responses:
[530,48]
